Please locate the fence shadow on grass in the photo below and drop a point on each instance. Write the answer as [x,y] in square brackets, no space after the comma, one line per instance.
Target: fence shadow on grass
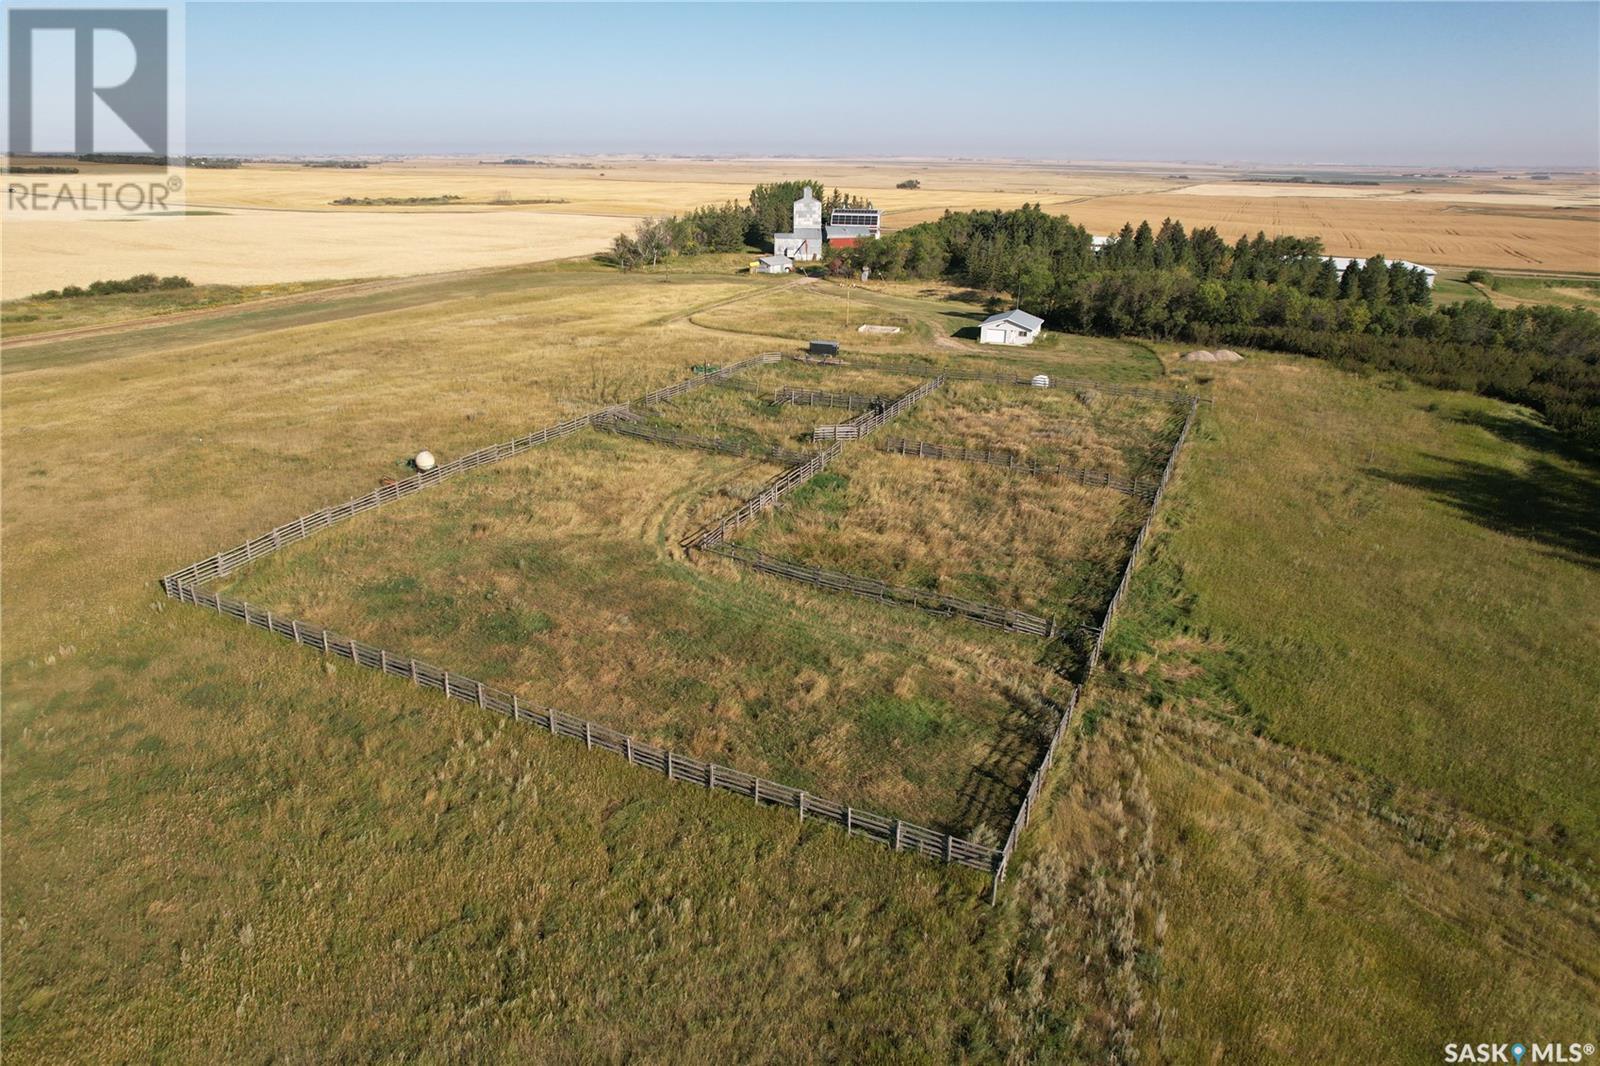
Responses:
[1554,501]
[993,788]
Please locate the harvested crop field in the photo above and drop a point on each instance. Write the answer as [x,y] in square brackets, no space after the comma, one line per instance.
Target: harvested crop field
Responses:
[1432,230]
[247,246]
[279,222]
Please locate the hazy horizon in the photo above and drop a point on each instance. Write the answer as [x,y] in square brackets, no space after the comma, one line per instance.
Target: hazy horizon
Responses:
[1223,84]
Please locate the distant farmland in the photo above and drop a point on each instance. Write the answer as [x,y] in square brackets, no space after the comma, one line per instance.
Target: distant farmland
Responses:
[280,223]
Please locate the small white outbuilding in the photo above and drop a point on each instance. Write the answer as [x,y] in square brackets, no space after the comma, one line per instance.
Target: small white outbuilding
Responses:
[773,264]
[1011,327]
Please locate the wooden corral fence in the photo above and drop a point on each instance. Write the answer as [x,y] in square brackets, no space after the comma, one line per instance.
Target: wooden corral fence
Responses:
[1071,384]
[774,453]
[868,421]
[817,398]
[716,532]
[186,586]
[892,832]
[678,388]
[786,481]
[1036,781]
[226,562]
[899,595]
[836,431]
[1138,543]
[1012,461]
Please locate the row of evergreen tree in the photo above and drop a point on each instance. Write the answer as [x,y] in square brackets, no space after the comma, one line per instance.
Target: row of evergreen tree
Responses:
[1272,292]
[1043,259]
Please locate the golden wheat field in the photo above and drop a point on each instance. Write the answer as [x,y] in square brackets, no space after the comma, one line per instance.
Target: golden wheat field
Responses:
[278,222]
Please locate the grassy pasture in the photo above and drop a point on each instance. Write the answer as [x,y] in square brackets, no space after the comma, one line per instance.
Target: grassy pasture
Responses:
[1285,831]
[558,576]
[27,316]
[1450,518]
[1036,544]
[1048,426]
[1512,291]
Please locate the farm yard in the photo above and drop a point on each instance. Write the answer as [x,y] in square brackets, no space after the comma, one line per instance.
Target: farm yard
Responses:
[238,844]
[558,533]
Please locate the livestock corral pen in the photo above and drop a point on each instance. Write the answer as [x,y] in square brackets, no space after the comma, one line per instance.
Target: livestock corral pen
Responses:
[1121,506]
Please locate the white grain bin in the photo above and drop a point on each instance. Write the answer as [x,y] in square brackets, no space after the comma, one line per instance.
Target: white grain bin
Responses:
[424,461]
[1041,381]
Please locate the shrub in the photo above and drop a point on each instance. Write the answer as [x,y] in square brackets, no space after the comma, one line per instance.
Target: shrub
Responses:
[137,283]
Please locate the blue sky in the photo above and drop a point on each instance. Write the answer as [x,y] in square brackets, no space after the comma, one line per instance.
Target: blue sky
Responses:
[1431,84]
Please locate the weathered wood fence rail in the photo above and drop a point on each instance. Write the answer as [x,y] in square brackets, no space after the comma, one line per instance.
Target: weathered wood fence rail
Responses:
[1036,781]
[1011,461]
[186,585]
[678,388]
[775,453]
[1070,384]
[893,832]
[864,424]
[899,595]
[226,562]
[817,398]
[716,532]
[1138,543]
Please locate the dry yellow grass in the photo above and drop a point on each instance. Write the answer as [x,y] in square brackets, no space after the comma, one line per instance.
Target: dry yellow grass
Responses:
[220,851]
[1037,544]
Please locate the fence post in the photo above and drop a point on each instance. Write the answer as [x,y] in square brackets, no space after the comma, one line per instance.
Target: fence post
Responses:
[553,732]
[669,765]
[480,695]
[897,834]
[802,804]
[447,684]
[849,820]
[588,740]
[627,742]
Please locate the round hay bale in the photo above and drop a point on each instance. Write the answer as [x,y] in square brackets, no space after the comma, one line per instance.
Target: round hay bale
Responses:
[424,461]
